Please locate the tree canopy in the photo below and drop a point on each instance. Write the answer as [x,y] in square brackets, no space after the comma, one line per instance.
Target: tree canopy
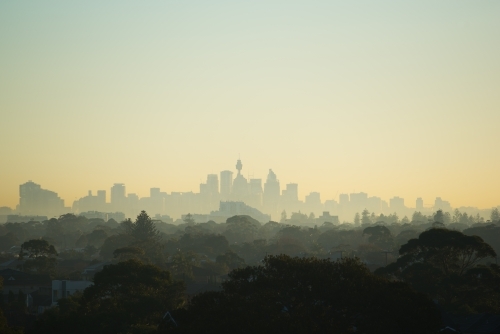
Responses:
[444,264]
[125,297]
[308,295]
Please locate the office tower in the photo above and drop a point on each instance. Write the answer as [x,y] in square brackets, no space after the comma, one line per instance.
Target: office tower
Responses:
[35,200]
[344,200]
[313,203]
[240,185]
[271,195]
[118,199]
[255,196]
[226,183]
[359,201]
[213,184]
[397,204]
[439,204]
[419,204]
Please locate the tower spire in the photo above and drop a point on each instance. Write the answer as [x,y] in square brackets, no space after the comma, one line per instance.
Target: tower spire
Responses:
[239,166]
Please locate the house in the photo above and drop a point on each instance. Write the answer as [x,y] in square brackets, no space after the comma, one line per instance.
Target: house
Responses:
[15,281]
[64,288]
[89,271]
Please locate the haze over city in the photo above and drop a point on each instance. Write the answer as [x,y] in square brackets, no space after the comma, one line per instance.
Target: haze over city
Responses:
[387,98]
[255,166]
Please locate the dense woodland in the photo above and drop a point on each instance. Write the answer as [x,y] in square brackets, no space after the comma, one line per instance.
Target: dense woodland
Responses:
[379,274]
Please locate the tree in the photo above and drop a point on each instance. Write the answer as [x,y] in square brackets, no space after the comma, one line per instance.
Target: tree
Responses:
[125,297]
[365,217]
[307,295]
[4,328]
[450,251]
[143,229]
[439,217]
[41,257]
[356,219]
[437,263]
[283,216]
[495,215]
[231,260]
[189,219]
[36,248]
[380,236]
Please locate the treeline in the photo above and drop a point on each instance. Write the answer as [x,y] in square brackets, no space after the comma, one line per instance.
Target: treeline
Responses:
[430,259]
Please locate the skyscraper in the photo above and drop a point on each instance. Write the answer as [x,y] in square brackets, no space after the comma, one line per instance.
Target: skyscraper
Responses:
[419,204]
[226,184]
[35,200]
[272,192]
[118,199]
[240,185]
[213,184]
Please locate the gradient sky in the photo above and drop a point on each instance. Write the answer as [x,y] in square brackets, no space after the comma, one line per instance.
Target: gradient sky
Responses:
[393,98]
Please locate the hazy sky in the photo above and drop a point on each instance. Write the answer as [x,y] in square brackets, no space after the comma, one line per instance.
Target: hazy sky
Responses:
[386,97]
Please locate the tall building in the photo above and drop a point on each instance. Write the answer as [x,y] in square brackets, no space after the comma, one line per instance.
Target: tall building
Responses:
[91,203]
[240,185]
[344,200]
[226,183]
[35,200]
[419,204]
[291,193]
[439,204]
[255,193]
[359,201]
[118,198]
[271,195]
[213,184]
[397,204]
[313,203]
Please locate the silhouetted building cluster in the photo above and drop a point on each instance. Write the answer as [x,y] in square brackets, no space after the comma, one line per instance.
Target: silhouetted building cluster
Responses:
[268,199]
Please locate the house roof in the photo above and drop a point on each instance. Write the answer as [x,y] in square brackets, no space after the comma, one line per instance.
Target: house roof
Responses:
[16,277]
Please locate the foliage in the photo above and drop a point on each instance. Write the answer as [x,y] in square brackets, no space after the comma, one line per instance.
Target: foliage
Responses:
[41,257]
[442,263]
[380,236]
[125,297]
[143,229]
[37,248]
[308,295]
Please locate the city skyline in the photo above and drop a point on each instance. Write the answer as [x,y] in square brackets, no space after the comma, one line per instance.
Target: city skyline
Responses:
[264,194]
[384,97]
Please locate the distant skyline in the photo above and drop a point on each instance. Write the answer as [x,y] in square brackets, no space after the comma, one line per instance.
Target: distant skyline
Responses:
[385,97]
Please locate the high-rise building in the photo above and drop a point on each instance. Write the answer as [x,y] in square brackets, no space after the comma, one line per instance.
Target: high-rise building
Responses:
[255,193]
[344,199]
[439,204]
[272,192]
[213,184]
[359,201]
[226,183]
[35,200]
[313,203]
[291,193]
[101,195]
[397,204]
[118,198]
[419,204]
[240,189]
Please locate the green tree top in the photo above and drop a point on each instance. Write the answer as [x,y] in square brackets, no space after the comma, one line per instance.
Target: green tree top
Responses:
[37,248]
[143,229]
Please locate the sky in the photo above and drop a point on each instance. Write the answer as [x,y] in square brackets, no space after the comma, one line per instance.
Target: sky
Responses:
[392,98]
